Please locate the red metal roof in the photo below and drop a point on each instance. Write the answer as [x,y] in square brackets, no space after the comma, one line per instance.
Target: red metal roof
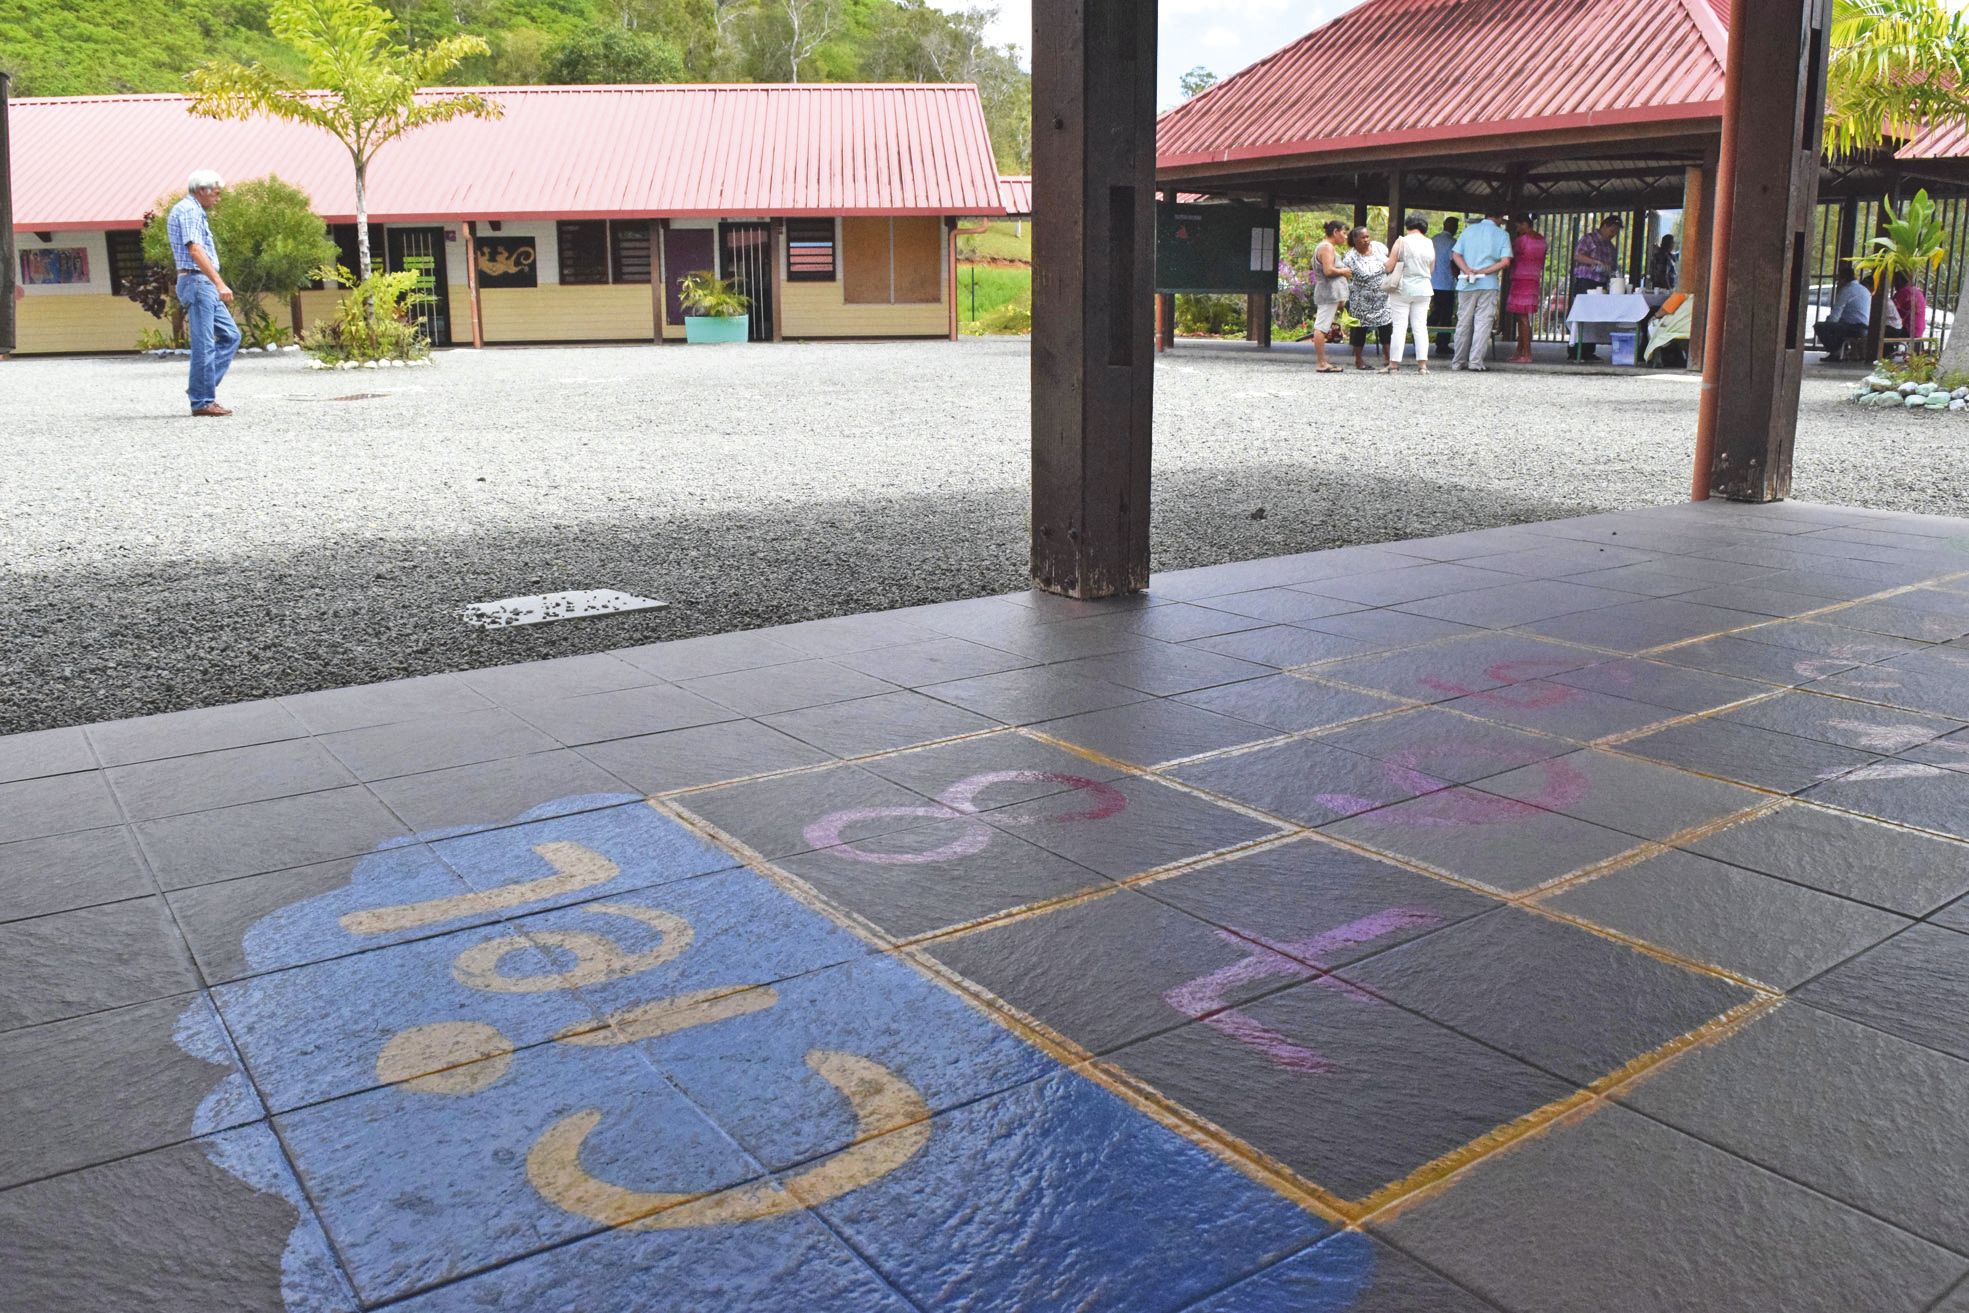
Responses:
[559,152]
[1017,195]
[1395,72]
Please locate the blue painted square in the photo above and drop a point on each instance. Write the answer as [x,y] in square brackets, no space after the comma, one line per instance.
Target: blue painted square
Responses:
[647,848]
[419,1187]
[1058,1195]
[318,1031]
[750,1071]
[789,1264]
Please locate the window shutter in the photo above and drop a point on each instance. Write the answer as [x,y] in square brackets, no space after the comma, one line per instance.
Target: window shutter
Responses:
[584,251]
[810,250]
[630,243]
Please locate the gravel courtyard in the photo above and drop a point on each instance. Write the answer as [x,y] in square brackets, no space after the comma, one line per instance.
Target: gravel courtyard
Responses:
[327,534]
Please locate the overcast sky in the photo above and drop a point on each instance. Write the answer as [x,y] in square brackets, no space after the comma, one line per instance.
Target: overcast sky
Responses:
[1222,35]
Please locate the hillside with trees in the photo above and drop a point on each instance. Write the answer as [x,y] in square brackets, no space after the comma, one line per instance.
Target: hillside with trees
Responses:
[101,47]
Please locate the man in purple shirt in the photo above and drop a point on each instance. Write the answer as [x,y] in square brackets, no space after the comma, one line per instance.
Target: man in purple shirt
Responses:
[1594,261]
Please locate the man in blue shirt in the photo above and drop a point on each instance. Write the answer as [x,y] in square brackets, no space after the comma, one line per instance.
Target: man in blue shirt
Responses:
[1442,304]
[1852,313]
[202,292]
[1481,254]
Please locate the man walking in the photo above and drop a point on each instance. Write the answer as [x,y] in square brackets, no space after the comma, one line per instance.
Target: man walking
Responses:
[1442,299]
[203,293]
[1594,261]
[1481,253]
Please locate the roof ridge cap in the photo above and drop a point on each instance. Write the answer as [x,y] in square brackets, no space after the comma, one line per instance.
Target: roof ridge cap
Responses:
[1714,32]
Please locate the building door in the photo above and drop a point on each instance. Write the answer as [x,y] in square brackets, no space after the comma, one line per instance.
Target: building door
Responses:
[422,250]
[746,254]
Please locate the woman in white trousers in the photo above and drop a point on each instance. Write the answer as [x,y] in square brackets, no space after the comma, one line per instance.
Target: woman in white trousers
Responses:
[1412,260]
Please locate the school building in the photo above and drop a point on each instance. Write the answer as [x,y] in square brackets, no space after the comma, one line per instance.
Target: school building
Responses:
[571,218]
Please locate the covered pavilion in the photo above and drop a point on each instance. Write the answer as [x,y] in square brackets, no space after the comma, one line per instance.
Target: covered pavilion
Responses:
[1516,104]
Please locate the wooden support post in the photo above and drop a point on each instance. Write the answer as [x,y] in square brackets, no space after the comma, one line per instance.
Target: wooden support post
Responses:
[776,252]
[1774,103]
[472,283]
[659,276]
[950,256]
[1360,214]
[1849,232]
[1165,302]
[1698,207]
[8,268]
[1395,215]
[1637,248]
[1093,348]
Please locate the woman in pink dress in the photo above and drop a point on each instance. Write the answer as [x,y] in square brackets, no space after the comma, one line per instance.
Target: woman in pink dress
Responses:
[1527,282]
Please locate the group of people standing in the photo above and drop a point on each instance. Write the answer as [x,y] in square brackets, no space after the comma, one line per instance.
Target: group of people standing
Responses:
[1462,276]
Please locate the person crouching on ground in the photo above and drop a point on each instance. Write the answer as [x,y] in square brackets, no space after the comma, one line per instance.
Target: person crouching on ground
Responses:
[1367,293]
[1329,292]
[203,293]
[1481,253]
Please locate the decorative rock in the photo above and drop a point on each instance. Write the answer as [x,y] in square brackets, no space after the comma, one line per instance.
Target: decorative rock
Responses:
[1958,404]
[1877,383]
[1939,401]
[1908,389]
[1915,400]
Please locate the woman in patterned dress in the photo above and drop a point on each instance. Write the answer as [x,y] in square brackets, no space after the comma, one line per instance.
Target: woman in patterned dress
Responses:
[1366,262]
[1527,282]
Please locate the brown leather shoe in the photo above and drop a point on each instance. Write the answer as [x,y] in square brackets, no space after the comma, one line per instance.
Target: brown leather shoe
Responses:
[210,410]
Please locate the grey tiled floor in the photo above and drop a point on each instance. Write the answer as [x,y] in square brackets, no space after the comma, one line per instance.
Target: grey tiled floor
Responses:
[1559,917]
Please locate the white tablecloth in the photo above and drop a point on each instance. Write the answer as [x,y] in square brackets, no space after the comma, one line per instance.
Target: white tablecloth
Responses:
[1596,318]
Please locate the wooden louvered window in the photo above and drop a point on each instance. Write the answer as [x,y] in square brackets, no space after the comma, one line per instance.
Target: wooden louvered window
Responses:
[584,251]
[126,260]
[629,249]
[810,250]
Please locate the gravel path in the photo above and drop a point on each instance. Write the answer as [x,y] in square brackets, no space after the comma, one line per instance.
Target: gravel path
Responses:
[150,562]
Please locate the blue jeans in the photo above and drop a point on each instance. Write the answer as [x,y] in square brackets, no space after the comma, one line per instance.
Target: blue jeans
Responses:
[214,337]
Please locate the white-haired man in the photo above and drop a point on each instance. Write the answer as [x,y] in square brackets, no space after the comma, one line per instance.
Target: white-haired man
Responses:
[202,292]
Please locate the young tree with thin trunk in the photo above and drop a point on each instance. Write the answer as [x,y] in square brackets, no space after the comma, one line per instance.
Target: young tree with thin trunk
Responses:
[362,85]
[1898,66]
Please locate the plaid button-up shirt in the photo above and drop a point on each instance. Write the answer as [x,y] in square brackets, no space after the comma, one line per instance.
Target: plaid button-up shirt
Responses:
[1593,246]
[188,224]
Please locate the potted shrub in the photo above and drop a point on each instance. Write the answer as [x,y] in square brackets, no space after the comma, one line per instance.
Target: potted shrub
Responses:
[714,310]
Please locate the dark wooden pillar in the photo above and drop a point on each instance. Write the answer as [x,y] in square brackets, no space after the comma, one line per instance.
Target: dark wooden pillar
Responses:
[1849,232]
[1774,103]
[659,275]
[1395,215]
[1360,214]
[1165,303]
[1093,345]
[8,266]
[1638,253]
[776,252]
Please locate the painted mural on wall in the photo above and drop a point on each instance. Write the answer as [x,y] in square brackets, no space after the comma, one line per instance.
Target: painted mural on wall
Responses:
[507,262]
[588,1056]
[54,266]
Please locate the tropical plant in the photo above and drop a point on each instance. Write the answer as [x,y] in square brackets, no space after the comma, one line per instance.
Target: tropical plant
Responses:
[360,86]
[373,320]
[270,243]
[708,296]
[1913,244]
[1897,66]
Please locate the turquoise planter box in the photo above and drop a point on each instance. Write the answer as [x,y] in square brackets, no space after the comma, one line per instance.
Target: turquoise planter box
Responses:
[700,328]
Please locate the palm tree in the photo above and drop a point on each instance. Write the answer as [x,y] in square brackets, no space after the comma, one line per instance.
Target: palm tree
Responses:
[1898,66]
[361,85]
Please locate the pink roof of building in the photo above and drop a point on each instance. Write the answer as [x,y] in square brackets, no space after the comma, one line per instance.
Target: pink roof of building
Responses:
[1391,73]
[558,152]
[1016,192]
